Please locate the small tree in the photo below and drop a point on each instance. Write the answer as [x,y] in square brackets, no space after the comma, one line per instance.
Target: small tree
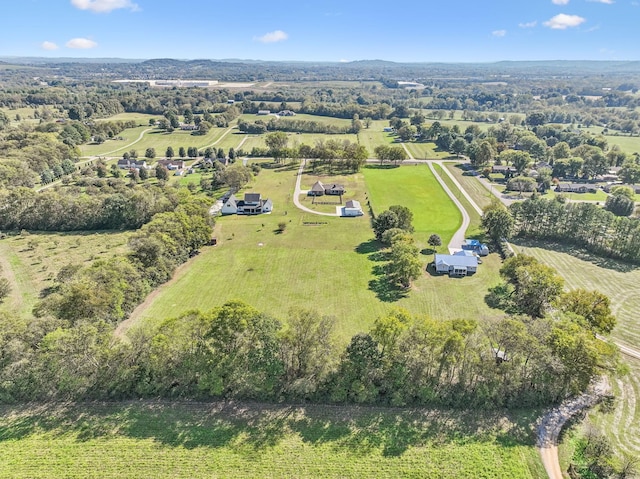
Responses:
[162,173]
[150,153]
[282,226]
[169,153]
[434,241]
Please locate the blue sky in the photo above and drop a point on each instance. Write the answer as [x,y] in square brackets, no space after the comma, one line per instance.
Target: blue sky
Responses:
[418,31]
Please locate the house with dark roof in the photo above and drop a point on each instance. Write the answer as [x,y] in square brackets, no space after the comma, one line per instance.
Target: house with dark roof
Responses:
[172,164]
[575,188]
[504,169]
[251,204]
[462,263]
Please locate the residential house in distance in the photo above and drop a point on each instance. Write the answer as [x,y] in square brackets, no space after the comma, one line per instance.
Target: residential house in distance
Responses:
[462,263]
[252,204]
[124,164]
[575,188]
[264,112]
[319,189]
[172,164]
[352,208]
[504,169]
[187,127]
[286,113]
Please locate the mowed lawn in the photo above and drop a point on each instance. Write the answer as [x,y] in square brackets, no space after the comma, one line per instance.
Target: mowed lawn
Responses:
[157,139]
[415,187]
[237,440]
[327,264]
[582,270]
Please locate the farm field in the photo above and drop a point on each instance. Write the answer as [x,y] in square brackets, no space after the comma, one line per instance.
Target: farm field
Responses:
[36,258]
[423,151]
[416,188]
[474,230]
[152,139]
[323,263]
[617,280]
[477,191]
[141,118]
[238,440]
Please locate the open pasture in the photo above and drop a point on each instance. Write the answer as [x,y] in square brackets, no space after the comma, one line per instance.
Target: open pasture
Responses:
[155,138]
[329,264]
[238,440]
[580,269]
[35,259]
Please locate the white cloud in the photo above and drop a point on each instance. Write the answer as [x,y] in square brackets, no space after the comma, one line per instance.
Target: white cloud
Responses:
[48,46]
[81,43]
[343,60]
[104,6]
[499,33]
[560,2]
[608,2]
[527,24]
[272,37]
[563,21]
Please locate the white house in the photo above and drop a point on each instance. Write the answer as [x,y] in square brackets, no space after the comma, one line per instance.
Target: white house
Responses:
[462,263]
[352,208]
[252,204]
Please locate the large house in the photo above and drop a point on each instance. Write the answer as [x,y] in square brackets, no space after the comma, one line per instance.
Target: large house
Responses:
[462,263]
[252,204]
[318,189]
[575,188]
[172,164]
[352,208]
[125,164]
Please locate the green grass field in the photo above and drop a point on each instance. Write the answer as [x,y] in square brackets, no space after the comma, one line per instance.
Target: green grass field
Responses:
[416,188]
[152,139]
[474,230]
[35,260]
[239,440]
[325,263]
[480,195]
[423,151]
[583,270]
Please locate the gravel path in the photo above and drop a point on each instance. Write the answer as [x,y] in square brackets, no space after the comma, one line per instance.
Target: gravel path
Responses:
[550,425]
[297,192]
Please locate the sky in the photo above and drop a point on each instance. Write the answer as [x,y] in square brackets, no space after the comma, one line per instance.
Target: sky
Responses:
[287,30]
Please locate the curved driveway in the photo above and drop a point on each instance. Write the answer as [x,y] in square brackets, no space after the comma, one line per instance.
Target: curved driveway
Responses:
[297,192]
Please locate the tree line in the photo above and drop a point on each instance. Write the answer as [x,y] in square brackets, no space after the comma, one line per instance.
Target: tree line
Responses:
[582,224]
[236,351]
[75,209]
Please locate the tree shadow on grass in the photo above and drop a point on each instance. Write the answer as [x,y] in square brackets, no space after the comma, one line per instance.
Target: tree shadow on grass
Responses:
[384,289]
[249,428]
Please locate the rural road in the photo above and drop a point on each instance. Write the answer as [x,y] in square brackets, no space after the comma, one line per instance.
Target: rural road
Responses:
[297,192]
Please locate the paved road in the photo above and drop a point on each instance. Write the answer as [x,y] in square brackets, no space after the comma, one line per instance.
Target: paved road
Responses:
[297,192]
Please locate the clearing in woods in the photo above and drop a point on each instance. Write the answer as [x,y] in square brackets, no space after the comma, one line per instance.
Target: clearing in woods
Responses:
[328,264]
[236,440]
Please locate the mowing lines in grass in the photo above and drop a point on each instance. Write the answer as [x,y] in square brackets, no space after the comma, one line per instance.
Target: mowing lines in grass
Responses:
[416,188]
[175,440]
[583,270]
